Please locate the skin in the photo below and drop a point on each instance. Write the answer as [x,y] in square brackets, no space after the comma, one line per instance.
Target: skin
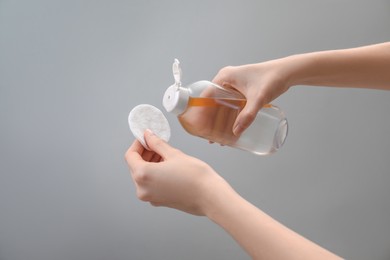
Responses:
[165,176]
[260,83]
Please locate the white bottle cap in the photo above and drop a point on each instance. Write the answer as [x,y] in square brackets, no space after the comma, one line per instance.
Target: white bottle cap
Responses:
[175,99]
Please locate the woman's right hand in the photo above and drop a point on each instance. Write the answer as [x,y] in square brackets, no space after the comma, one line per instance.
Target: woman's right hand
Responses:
[260,83]
[361,67]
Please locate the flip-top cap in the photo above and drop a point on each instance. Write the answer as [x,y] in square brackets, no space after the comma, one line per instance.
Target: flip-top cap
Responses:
[175,99]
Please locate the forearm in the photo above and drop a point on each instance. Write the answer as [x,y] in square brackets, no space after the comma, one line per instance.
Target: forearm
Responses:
[260,235]
[363,67]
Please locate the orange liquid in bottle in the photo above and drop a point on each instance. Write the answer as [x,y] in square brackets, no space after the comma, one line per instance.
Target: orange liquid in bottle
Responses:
[212,118]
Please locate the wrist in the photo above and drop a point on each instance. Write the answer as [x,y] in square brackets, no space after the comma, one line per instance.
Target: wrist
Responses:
[298,69]
[216,194]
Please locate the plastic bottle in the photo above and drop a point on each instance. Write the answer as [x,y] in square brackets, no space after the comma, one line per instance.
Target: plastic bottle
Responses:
[209,111]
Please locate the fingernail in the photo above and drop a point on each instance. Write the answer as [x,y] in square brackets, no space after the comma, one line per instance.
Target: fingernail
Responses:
[149,132]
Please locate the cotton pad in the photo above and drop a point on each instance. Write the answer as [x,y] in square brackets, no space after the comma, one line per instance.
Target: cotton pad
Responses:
[146,116]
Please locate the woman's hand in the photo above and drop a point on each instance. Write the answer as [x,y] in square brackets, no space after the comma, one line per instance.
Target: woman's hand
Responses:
[167,177]
[361,67]
[260,83]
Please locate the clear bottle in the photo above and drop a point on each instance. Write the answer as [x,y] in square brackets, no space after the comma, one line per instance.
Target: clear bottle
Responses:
[209,111]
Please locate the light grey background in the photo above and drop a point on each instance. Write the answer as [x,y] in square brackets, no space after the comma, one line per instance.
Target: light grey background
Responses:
[70,72]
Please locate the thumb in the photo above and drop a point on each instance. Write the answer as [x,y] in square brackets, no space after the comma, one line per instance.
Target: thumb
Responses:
[246,117]
[157,145]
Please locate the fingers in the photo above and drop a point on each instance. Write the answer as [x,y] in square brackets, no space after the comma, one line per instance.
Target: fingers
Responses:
[133,155]
[137,155]
[159,146]
[246,116]
[156,158]
[228,76]
[225,77]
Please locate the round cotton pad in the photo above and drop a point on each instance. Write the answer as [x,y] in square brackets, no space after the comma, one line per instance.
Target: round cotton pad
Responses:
[146,116]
